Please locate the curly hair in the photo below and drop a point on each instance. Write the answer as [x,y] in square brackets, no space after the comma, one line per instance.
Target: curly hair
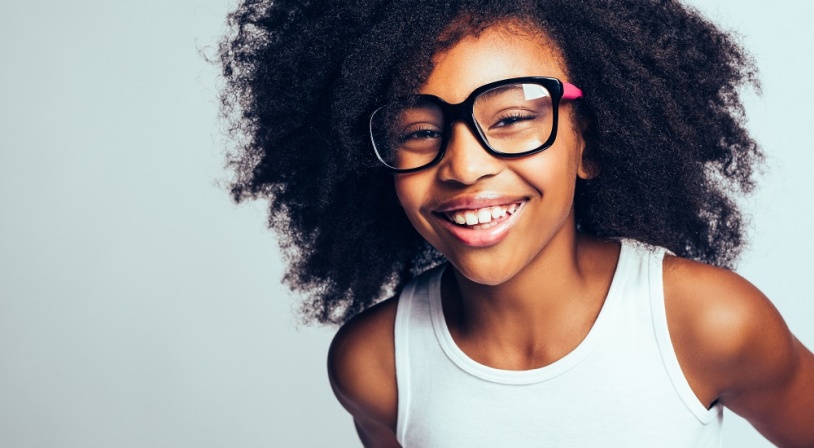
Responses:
[664,127]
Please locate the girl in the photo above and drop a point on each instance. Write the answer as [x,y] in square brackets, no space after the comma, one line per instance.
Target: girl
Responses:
[545,189]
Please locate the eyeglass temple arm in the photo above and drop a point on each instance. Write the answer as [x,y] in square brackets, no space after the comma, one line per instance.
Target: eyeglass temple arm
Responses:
[570,91]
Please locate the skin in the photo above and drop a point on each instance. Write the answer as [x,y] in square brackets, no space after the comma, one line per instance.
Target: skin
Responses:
[532,297]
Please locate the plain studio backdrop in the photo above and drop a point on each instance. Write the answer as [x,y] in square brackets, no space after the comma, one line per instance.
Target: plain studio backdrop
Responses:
[139,307]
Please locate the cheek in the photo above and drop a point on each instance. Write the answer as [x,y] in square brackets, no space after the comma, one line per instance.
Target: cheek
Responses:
[402,191]
[552,172]
[413,192]
[566,157]
[410,193]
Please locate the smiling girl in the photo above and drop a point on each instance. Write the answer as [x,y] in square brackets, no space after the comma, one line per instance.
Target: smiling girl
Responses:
[544,189]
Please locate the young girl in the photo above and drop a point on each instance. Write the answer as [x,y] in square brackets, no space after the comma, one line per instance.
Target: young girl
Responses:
[545,189]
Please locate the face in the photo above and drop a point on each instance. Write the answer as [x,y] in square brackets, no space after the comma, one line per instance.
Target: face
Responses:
[495,217]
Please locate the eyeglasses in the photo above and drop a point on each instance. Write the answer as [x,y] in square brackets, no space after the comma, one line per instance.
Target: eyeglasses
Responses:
[510,118]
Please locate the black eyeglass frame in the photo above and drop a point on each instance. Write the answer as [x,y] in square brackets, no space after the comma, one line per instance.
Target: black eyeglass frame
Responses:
[464,111]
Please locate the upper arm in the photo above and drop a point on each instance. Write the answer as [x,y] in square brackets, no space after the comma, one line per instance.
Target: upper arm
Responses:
[734,347]
[361,368]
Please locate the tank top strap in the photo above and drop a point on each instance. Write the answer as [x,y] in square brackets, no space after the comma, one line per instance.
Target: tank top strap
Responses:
[415,342]
[665,342]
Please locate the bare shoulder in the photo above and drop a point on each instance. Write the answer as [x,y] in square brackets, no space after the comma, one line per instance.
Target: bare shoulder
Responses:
[735,348]
[718,321]
[361,367]
[718,311]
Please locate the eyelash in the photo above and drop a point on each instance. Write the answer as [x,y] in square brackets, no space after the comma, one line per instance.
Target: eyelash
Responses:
[515,117]
[406,136]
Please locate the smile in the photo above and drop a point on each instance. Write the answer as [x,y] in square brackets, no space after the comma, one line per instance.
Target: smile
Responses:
[481,226]
[482,218]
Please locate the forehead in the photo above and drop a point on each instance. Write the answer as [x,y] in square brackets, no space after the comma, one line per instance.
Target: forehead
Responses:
[499,52]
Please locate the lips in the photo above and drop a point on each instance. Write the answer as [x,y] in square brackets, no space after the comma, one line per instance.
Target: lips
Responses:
[480,221]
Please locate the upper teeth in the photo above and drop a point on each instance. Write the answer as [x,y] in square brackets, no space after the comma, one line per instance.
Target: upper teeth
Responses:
[481,215]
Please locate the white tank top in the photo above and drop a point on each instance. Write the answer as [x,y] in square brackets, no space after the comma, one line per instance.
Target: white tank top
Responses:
[621,387]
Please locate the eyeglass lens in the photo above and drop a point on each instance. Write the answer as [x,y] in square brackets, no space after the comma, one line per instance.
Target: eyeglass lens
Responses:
[511,119]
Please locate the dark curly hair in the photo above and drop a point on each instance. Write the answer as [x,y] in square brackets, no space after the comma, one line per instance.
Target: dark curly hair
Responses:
[664,127]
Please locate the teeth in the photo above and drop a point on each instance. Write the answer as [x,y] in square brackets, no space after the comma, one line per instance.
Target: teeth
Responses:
[482,215]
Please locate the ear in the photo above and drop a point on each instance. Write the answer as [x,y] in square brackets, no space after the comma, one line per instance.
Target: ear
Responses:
[587,168]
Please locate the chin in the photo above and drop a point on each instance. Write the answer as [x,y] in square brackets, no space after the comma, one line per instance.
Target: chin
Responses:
[487,273]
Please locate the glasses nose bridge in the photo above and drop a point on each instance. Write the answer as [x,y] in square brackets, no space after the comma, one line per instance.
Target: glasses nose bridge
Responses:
[458,112]
[461,112]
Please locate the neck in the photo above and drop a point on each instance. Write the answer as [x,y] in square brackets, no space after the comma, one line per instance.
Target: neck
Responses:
[542,312]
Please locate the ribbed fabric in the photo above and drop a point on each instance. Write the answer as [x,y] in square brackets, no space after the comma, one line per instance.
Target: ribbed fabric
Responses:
[621,387]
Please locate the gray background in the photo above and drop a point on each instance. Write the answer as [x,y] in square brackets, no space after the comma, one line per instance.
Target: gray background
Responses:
[140,308]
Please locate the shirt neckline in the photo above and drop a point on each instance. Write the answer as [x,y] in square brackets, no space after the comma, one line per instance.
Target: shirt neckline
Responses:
[469,365]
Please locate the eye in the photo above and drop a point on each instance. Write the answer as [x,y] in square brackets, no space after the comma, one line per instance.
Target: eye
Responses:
[419,133]
[512,118]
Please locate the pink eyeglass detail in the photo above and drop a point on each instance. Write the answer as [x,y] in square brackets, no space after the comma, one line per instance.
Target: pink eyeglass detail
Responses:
[570,91]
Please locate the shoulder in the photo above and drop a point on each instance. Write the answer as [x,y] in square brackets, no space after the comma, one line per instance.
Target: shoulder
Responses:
[721,325]
[716,306]
[735,348]
[361,366]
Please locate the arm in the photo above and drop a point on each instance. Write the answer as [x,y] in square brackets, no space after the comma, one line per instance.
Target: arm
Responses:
[734,347]
[361,368]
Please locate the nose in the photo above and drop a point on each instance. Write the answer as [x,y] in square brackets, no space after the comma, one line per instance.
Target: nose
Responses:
[466,161]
